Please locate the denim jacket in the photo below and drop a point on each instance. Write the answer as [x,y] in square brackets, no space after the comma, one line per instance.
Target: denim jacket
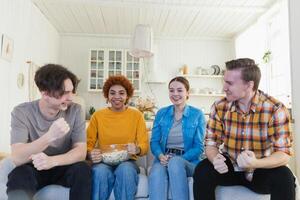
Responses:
[193,128]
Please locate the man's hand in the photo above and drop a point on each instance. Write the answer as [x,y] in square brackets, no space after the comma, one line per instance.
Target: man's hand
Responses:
[95,155]
[58,129]
[42,162]
[163,159]
[133,149]
[246,160]
[219,164]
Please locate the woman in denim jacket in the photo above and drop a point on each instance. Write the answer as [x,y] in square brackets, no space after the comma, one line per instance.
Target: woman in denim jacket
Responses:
[177,144]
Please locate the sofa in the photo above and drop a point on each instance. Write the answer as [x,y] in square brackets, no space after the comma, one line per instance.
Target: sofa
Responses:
[222,192]
[52,192]
[59,192]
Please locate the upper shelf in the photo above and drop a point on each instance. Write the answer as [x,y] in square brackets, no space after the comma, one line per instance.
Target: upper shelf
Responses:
[202,76]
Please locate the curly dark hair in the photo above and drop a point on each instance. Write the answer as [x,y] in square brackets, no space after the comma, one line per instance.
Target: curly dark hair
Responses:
[118,80]
[250,71]
[50,78]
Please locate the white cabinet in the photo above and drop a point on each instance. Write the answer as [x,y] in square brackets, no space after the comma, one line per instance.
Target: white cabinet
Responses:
[108,62]
[96,70]
[133,70]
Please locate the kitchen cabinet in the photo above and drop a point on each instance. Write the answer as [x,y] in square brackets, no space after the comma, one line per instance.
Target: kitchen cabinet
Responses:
[109,62]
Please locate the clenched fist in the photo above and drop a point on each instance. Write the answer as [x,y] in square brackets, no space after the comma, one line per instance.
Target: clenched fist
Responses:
[58,129]
[41,161]
[246,160]
[219,164]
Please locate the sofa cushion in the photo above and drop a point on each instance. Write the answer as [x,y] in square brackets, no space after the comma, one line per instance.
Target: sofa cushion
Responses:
[142,190]
[6,166]
[51,192]
[238,193]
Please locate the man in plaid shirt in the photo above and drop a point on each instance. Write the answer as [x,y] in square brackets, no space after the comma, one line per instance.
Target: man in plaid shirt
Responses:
[248,139]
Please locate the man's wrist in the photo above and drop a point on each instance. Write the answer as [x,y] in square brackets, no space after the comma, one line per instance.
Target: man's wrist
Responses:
[256,163]
[54,162]
[48,138]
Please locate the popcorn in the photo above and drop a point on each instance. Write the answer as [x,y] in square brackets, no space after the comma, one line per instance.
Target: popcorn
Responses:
[115,157]
[114,154]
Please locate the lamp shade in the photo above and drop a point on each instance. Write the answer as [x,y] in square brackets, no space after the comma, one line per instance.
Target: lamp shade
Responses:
[142,42]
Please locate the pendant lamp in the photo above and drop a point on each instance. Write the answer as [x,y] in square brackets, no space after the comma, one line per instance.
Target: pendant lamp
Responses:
[141,46]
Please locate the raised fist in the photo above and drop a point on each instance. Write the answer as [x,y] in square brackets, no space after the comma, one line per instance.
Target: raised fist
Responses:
[58,129]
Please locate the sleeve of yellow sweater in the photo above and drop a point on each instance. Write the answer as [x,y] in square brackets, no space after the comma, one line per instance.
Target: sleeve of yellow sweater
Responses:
[142,136]
[92,133]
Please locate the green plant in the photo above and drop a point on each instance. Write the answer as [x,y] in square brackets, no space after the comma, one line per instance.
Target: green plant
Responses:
[267,56]
[91,110]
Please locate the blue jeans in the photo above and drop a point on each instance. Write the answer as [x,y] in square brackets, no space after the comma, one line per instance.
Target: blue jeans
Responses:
[123,178]
[174,175]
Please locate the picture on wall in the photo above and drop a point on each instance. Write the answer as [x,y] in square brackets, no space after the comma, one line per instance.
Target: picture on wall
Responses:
[7,48]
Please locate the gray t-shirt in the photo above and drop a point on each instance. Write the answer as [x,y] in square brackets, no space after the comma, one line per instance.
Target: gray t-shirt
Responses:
[28,124]
[175,138]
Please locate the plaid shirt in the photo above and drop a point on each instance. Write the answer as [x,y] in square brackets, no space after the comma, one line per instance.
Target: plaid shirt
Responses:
[263,130]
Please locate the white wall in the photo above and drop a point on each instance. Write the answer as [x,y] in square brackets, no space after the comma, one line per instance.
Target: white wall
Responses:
[34,40]
[252,43]
[171,55]
[294,15]
[270,33]
[273,83]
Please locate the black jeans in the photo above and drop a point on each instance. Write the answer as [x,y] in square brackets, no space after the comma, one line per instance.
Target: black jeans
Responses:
[25,180]
[279,182]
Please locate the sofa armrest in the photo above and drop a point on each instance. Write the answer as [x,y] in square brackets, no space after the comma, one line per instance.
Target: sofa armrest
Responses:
[6,166]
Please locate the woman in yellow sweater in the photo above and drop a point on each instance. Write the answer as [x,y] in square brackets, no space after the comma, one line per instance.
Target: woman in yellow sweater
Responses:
[116,124]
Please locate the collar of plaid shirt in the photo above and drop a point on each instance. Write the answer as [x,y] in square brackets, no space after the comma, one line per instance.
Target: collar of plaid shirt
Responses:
[254,102]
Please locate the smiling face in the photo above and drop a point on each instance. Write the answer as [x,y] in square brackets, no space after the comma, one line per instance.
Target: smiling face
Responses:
[235,87]
[178,94]
[117,97]
[62,102]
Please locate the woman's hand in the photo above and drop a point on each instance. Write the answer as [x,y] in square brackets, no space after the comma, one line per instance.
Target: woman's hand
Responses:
[164,159]
[133,149]
[95,155]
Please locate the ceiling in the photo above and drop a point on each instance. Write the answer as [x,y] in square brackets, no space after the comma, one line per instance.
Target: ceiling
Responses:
[168,18]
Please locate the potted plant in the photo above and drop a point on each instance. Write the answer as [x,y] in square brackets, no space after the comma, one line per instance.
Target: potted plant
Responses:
[91,111]
[267,56]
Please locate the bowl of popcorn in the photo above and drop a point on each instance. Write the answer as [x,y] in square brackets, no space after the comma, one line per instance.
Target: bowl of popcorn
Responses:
[114,154]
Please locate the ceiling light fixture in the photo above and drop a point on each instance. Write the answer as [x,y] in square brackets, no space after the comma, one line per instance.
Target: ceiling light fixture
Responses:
[142,43]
